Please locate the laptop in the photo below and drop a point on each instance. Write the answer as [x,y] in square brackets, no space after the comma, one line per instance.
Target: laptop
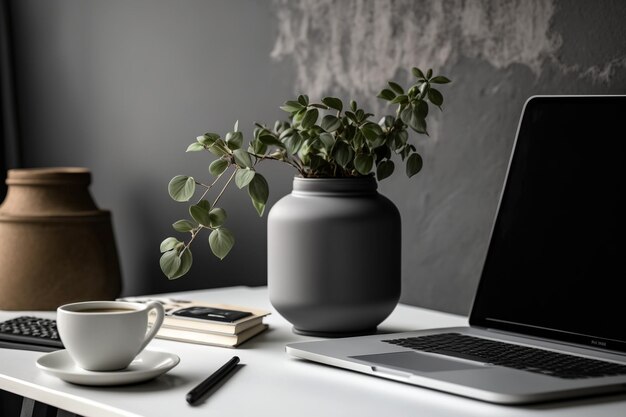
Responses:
[547,321]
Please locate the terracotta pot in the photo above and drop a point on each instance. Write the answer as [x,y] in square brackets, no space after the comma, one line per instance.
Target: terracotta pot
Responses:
[56,246]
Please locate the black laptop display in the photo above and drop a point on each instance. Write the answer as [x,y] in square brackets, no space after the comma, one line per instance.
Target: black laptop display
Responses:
[557,256]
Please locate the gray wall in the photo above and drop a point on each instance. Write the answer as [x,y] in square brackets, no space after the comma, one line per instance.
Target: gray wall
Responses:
[122,86]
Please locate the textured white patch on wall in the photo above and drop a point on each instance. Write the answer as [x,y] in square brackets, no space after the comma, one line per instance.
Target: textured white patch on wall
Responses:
[357,45]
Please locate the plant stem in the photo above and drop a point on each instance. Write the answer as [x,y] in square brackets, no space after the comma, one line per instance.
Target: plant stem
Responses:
[194,233]
[208,187]
[287,161]
[225,186]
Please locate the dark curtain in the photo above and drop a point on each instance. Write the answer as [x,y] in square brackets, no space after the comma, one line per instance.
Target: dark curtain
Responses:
[9,145]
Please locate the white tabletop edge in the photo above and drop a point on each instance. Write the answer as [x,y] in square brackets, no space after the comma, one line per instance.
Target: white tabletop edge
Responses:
[79,405]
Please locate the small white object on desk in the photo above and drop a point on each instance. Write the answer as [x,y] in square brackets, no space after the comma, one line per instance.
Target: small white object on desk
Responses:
[147,365]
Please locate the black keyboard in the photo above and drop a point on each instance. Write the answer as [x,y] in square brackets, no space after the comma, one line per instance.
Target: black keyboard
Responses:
[512,356]
[30,333]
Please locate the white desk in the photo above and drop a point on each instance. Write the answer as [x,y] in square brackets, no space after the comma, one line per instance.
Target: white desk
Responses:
[270,383]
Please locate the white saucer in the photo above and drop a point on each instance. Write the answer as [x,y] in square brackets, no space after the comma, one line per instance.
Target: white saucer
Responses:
[147,365]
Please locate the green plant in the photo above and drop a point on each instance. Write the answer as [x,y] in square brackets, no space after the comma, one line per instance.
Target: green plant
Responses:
[344,143]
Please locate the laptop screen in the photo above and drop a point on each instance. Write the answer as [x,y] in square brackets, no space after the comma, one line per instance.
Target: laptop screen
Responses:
[556,262]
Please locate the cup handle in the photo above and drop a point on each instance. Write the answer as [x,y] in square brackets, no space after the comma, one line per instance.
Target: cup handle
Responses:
[153,305]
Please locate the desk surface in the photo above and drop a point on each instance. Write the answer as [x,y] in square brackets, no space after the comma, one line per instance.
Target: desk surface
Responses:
[269,382]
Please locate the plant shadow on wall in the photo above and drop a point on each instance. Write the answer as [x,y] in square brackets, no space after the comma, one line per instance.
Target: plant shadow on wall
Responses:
[325,275]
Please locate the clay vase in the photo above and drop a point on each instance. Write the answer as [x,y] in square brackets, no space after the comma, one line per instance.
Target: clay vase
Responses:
[56,246]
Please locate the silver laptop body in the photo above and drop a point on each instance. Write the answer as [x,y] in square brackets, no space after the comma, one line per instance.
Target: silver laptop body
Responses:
[551,278]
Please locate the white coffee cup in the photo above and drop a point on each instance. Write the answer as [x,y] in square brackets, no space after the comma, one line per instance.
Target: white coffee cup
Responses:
[106,335]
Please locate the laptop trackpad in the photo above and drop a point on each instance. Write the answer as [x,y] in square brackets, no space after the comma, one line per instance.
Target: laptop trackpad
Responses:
[416,361]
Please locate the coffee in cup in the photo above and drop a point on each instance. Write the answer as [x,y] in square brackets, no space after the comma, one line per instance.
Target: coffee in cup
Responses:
[106,335]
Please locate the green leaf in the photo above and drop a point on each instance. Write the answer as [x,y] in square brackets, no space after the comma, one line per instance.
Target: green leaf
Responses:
[242,158]
[382,152]
[297,117]
[421,108]
[333,103]
[403,136]
[243,177]
[259,207]
[185,264]
[411,117]
[387,121]
[429,74]
[293,143]
[418,73]
[292,106]
[357,140]
[234,140]
[342,153]
[440,79]
[396,87]
[236,127]
[352,117]
[327,140]
[309,119]
[169,243]
[413,164]
[218,166]
[204,204]
[319,106]
[217,148]
[424,87]
[419,125]
[195,147]
[331,123]
[363,163]
[221,242]
[270,140]
[257,147]
[208,138]
[200,214]
[184,225]
[170,262]
[286,132]
[384,169]
[386,94]
[353,105]
[303,99]
[371,131]
[406,115]
[181,188]
[217,216]
[259,192]
[435,97]
[402,98]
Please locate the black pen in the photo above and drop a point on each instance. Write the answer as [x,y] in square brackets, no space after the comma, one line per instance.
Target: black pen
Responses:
[195,394]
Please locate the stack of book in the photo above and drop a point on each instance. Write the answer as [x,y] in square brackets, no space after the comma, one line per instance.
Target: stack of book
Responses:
[207,323]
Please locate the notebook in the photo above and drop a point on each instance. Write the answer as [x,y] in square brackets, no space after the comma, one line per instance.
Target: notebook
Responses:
[547,321]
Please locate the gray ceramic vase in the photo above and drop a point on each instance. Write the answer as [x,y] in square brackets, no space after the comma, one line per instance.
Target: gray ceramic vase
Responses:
[334,256]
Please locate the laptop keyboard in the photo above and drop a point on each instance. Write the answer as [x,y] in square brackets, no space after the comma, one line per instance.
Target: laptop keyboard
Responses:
[511,356]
